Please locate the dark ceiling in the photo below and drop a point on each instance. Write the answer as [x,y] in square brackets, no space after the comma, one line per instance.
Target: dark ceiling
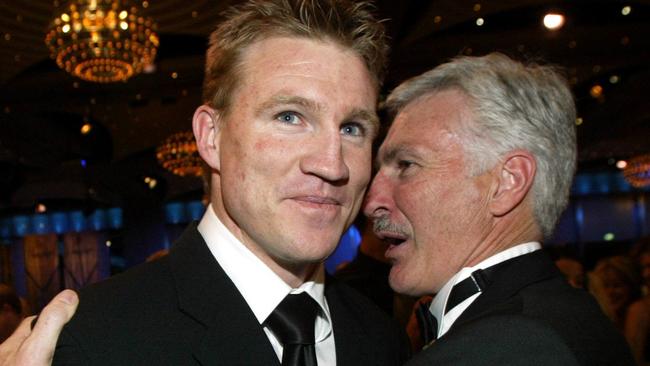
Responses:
[42,107]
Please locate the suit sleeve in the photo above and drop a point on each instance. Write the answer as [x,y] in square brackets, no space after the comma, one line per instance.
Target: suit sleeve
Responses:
[68,351]
[498,340]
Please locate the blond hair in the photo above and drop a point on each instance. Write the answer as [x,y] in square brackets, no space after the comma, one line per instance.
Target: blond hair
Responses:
[348,24]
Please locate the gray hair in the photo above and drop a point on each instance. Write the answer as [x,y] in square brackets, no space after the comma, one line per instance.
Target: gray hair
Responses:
[515,106]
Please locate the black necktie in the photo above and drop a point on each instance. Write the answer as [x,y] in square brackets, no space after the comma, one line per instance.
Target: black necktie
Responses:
[293,322]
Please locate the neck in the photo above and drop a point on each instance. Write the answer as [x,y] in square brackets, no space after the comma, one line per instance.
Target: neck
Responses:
[506,232]
[293,274]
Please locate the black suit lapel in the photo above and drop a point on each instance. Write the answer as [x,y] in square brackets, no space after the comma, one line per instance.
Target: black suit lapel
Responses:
[230,334]
[510,278]
[350,336]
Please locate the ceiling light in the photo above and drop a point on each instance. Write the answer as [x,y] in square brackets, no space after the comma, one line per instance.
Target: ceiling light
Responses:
[637,171]
[480,21]
[596,91]
[553,21]
[149,68]
[41,208]
[626,10]
[179,155]
[102,41]
[86,128]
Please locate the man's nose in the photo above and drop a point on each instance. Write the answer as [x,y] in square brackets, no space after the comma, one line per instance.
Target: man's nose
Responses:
[378,200]
[325,159]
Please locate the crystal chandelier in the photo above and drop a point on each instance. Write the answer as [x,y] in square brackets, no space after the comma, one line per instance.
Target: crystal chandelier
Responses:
[179,155]
[102,40]
[637,171]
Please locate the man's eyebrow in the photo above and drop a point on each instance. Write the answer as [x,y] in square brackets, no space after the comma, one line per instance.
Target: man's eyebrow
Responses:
[365,115]
[384,156]
[392,153]
[281,99]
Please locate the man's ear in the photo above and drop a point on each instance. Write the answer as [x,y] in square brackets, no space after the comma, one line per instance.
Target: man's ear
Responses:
[207,130]
[516,174]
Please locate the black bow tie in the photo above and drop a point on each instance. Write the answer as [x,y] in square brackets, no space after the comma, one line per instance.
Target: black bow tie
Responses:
[477,282]
[461,291]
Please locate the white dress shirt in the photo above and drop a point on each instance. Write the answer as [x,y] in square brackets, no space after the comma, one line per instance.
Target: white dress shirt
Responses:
[262,289]
[437,308]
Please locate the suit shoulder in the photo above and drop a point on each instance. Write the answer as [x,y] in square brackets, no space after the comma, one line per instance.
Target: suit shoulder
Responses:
[357,319]
[576,318]
[498,339]
[137,281]
[126,296]
[353,300]
[565,318]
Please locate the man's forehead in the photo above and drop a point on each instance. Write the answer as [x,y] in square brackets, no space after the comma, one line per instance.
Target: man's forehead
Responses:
[416,134]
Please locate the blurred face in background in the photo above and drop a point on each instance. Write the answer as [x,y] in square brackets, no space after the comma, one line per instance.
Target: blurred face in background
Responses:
[572,270]
[616,288]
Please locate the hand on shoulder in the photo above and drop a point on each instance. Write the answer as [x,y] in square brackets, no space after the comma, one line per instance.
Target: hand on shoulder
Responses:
[35,347]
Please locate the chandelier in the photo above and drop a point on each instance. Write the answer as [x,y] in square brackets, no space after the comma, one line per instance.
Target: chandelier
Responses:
[637,171]
[179,155]
[102,40]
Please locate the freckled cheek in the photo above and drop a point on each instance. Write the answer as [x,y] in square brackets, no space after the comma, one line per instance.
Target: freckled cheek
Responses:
[267,154]
[261,146]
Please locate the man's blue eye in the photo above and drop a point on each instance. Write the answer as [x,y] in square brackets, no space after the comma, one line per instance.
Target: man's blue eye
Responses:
[353,129]
[288,117]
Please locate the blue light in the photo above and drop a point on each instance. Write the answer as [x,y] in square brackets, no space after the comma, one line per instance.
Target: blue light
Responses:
[83,163]
[175,213]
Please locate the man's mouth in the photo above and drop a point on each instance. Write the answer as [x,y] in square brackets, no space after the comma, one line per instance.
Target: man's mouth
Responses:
[392,238]
[318,200]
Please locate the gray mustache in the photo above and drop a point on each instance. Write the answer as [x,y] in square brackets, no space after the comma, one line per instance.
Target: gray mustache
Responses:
[383,224]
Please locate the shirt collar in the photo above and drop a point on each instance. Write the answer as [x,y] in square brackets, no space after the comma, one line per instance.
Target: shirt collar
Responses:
[440,300]
[262,288]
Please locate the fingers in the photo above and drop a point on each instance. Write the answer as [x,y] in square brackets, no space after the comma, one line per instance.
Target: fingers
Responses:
[10,346]
[51,321]
[37,349]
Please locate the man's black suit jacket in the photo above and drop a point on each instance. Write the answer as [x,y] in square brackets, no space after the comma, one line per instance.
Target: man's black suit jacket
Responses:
[184,310]
[528,315]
